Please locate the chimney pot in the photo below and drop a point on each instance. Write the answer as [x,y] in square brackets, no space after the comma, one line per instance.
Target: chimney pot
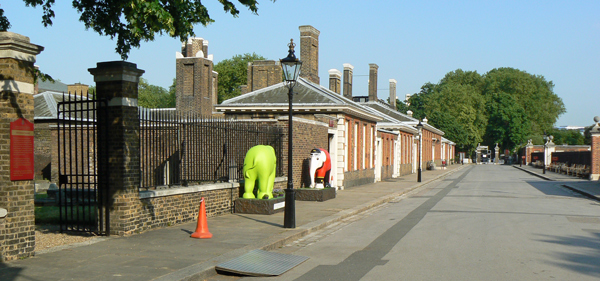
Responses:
[335,78]
[393,93]
[348,69]
[373,81]
[309,53]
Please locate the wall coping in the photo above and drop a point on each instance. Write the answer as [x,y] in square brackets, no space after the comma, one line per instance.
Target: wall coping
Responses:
[147,194]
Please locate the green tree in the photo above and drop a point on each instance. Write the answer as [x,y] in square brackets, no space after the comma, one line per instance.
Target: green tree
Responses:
[505,106]
[133,21]
[455,106]
[233,73]
[570,137]
[151,96]
[519,105]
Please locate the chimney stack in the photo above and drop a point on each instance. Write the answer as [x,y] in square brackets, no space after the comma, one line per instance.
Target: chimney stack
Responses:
[191,48]
[348,68]
[373,81]
[262,74]
[393,93]
[335,78]
[309,53]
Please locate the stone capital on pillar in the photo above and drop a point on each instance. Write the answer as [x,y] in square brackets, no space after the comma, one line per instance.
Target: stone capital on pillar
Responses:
[15,49]
[117,81]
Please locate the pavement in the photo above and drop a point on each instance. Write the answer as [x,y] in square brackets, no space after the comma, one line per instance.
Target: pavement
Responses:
[590,189]
[170,254]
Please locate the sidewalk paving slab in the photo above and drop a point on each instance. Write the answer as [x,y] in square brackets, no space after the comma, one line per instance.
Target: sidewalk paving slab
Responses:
[588,188]
[170,254]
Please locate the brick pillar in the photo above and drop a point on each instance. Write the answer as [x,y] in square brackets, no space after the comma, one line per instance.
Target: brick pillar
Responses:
[309,53]
[393,93]
[348,68]
[335,78]
[373,69]
[595,165]
[528,150]
[118,126]
[17,218]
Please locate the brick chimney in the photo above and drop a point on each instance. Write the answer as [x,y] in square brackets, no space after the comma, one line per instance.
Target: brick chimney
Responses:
[393,93]
[335,79]
[309,53]
[348,68]
[196,90]
[373,81]
[191,48]
[262,74]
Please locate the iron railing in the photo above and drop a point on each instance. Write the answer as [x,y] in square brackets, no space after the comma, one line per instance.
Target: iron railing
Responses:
[180,150]
[81,200]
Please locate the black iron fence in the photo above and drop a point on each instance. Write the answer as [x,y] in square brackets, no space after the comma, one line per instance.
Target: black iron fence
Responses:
[572,157]
[179,149]
[81,200]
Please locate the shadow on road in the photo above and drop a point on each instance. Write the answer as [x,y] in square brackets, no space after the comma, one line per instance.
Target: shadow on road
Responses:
[553,188]
[584,259]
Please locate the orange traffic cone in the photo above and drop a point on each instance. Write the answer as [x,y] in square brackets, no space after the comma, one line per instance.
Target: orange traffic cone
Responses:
[202,228]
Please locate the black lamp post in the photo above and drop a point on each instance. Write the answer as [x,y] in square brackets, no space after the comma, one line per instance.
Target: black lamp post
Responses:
[291,69]
[420,129]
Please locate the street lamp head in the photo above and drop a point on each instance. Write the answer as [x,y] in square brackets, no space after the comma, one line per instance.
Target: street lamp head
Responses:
[420,127]
[291,65]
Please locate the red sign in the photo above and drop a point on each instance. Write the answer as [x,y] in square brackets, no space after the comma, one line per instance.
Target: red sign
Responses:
[21,150]
[331,123]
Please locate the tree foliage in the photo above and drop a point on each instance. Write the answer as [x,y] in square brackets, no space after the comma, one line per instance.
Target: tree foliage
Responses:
[233,73]
[151,96]
[134,21]
[505,106]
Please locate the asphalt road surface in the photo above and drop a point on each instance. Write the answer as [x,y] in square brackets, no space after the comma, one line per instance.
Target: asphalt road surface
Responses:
[485,222]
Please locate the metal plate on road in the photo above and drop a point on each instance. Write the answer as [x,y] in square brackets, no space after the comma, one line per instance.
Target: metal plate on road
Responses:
[261,263]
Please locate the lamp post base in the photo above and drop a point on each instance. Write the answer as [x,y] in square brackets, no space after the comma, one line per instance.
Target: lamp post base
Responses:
[289,218]
[419,175]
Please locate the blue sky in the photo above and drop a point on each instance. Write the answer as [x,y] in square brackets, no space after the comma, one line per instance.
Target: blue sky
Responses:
[413,42]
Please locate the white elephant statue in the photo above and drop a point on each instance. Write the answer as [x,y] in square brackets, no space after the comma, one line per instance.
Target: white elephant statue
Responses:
[320,168]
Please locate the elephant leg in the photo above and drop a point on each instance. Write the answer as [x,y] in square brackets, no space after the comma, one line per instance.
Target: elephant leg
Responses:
[271,182]
[249,188]
[263,184]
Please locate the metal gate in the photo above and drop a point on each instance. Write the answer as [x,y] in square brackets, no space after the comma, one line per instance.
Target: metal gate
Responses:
[82,201]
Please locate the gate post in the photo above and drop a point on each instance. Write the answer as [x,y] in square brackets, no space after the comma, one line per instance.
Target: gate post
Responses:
[17,78]
[118,126]
[595,159]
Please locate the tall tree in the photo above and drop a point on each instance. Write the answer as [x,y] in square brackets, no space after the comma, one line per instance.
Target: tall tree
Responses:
[233,73]
[505,106]
[151,96]
[456,106]
[524,102]
[133,21]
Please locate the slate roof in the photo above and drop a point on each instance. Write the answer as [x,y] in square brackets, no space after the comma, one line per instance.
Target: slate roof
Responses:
[307,97]
[46,105]
[56,86]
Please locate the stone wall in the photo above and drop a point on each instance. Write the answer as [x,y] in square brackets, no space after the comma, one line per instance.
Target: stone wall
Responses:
[360,177]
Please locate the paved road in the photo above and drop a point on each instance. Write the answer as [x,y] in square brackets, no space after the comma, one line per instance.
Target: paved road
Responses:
[485,222]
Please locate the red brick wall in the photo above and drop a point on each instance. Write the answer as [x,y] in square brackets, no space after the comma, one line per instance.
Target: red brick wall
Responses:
[595,154]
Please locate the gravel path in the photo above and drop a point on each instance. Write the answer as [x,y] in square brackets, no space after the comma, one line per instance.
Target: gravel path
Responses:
[48,238]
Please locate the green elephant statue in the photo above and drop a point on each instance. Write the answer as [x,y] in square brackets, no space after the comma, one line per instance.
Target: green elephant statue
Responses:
[260,164]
